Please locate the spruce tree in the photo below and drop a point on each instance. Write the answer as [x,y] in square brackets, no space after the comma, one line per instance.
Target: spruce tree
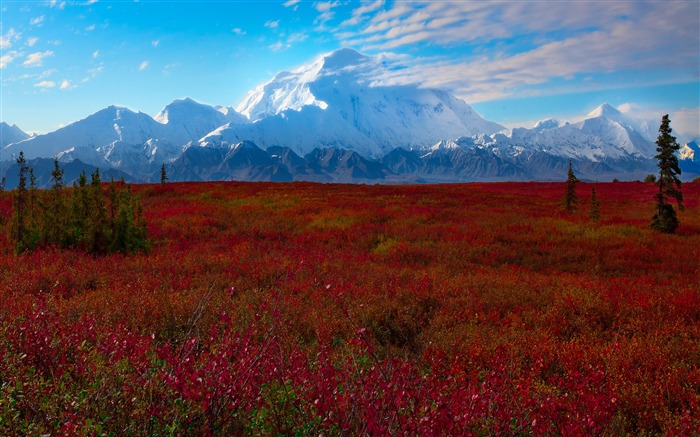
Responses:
[98,227]
[19,226]
[163,175]
[570,201]
[669,184]
[594,214]
[33,231]
[79,211]
[56,217]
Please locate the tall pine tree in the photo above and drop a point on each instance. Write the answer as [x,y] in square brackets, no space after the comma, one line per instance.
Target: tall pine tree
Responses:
[669,184]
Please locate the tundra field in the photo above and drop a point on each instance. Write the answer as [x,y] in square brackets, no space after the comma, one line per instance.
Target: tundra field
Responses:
[309,309]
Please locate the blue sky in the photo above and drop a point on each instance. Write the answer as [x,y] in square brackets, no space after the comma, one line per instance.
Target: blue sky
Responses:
[514,62]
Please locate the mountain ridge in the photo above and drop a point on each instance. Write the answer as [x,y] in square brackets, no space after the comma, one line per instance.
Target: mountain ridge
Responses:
[335,104]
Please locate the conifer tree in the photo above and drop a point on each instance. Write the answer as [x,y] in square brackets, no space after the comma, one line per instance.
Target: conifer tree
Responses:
[163,175]
[97,225]
[570,201]
[594,214]
[2,184]
[33,231]
[669,184]
[56,214]
[79,210]
[19,227]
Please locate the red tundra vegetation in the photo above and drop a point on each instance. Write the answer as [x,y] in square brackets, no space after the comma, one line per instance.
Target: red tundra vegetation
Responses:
[295,309]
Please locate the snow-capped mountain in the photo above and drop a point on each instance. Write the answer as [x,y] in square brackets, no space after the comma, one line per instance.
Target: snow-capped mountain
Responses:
[690,152]
[103,129]
[603,135]
[334,102]
[336,120]
[11,134]
[131,141]
[187,120]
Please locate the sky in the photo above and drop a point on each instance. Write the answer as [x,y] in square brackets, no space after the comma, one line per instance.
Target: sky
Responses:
[514,62]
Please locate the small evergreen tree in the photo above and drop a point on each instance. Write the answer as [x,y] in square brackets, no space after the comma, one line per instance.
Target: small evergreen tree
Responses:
[163,175]
[570,201]
[2,184]
[33,231]
[669,184]
[55,211]
[97,225]
[594,214]
[18,229]
[79,211]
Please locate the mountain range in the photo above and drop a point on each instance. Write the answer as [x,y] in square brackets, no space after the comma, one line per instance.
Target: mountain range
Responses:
[336,120]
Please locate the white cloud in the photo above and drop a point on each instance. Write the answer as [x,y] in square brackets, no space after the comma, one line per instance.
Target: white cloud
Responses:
[37,59]
[90,28]
[238,31]
[143,65]
[91,2]
[66,85]
[326,13]
[278,46]
[9,38]
[296,37]
[270,24]
[518,47]
[359,14]
[57,4]
[289,3]
[685,122]
[93,72]
[169,68]
[7,58]
[155,43]
[31,41]
[38,21]
[45,84]
[95,54]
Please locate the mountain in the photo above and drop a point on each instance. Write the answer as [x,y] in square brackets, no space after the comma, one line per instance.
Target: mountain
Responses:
[603,135]
[117,137]
[187,120]
[690,152]
[107,127]
[689,160]
[11,134]
[337,120]
[338,102]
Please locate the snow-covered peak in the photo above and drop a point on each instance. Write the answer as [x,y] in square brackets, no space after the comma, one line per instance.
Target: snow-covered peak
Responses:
[344,58]
[605,110]
[177,108]
[690,151]
[354,109]
[110,125]
[548,123]
[608,111]
[232,116]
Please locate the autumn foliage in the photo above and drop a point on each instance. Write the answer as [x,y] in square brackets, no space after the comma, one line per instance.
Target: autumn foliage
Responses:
[309,309]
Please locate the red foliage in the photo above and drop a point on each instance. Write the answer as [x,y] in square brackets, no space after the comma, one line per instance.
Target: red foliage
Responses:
[346,309]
